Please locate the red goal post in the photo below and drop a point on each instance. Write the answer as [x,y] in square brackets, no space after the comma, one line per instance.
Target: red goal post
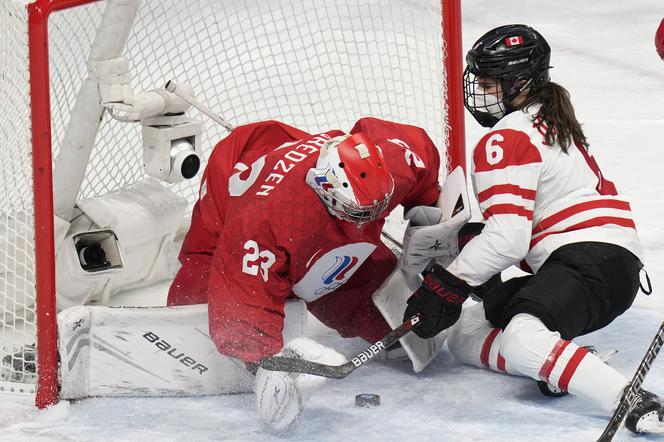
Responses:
[316,65]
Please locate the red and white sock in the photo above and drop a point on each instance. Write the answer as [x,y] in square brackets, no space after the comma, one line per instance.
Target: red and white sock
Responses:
[527,348]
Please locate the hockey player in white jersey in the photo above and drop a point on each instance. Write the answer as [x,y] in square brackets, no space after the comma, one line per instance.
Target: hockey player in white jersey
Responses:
[544,204]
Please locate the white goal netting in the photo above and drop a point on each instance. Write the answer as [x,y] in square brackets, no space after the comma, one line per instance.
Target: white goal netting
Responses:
[314,64]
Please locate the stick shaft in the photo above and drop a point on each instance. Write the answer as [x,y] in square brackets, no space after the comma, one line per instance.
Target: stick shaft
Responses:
[634,386]
[295,365]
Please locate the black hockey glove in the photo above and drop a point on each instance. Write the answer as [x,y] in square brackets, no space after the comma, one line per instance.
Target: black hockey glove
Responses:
[439,300]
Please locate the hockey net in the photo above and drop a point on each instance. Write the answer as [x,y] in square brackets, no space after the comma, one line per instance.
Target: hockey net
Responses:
[316,65]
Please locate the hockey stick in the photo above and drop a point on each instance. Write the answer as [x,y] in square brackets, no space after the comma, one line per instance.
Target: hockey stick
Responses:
[296,365]
[633,388]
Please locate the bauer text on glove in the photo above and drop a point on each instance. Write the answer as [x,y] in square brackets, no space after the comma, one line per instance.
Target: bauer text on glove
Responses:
[439,300]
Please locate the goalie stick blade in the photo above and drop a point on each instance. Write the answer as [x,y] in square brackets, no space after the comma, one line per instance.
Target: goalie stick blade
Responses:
[633,387]
[297,365]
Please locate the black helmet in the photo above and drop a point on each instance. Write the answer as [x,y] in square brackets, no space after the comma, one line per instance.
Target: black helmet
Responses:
[515,56]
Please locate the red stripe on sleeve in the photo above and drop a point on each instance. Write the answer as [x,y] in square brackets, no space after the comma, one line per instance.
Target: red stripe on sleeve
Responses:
[511,189]
[504,148]
[570,368]
[507,209]
[578,208]
[551,360]
[593,222]
[486,347]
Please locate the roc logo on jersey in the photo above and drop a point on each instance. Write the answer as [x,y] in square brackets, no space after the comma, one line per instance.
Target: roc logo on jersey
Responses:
[338,271]
[332,269]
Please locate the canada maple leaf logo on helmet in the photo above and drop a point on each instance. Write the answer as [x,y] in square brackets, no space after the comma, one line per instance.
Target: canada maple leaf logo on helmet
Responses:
[514,41]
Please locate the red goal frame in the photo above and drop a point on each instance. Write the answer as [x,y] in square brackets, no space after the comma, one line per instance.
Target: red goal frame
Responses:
[38,16]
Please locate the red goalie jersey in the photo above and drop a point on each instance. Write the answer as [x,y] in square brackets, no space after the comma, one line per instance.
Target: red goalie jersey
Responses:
[259,235]
[536,198]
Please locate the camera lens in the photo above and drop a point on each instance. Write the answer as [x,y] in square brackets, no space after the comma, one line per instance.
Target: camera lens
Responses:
[185,162]
[190,166]
[92,257]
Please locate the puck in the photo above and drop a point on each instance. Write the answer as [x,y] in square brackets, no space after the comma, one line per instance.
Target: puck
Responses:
[367,400]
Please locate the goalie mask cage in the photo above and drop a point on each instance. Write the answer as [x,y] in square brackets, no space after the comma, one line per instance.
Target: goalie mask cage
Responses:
[317,65]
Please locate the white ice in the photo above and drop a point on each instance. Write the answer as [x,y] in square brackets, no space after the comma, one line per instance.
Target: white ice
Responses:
[603,52]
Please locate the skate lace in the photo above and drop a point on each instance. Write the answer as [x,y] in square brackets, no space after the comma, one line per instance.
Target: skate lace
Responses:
[638,399]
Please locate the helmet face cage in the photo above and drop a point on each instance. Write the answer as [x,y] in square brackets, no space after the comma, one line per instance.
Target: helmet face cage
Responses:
[487,108]
[348,210]
[516,57]
[332,184]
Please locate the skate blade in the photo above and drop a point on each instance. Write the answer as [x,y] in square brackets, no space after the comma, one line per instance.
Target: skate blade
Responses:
[607,355]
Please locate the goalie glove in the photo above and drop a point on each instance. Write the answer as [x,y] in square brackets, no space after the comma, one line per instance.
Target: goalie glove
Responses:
[439,300]
[427,237]
[281,396]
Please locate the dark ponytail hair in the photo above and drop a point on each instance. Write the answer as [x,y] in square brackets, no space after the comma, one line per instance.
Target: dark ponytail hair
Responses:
[557,113]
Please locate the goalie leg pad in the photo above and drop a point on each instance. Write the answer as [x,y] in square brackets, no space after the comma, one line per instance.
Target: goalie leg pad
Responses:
[165,351]
[390,299]
[155,351]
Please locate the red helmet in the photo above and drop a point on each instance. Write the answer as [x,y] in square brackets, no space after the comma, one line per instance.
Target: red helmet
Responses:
[352,179]
[659,40]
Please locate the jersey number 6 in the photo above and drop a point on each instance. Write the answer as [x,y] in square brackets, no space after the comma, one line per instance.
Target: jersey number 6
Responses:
[494,153]
[256,259]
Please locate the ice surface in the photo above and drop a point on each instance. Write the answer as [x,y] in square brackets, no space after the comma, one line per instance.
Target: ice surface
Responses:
[603,52]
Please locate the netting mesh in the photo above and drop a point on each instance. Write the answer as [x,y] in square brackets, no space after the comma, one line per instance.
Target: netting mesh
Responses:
[315,64]
[17,255]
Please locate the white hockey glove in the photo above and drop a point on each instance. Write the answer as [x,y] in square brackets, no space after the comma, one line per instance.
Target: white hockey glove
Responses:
[428,237]
[280,396]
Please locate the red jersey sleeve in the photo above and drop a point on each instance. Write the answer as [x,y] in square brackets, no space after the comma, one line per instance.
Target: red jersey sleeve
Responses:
[413,159]
[247,291]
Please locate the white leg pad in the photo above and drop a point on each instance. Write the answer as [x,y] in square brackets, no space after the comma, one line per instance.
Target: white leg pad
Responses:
[154,351]
[390,299]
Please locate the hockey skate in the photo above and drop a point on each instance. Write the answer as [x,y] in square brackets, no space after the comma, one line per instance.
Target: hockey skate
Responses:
[646,415]
[19,366]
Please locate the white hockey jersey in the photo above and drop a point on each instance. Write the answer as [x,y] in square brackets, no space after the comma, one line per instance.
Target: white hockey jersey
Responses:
[535,198]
